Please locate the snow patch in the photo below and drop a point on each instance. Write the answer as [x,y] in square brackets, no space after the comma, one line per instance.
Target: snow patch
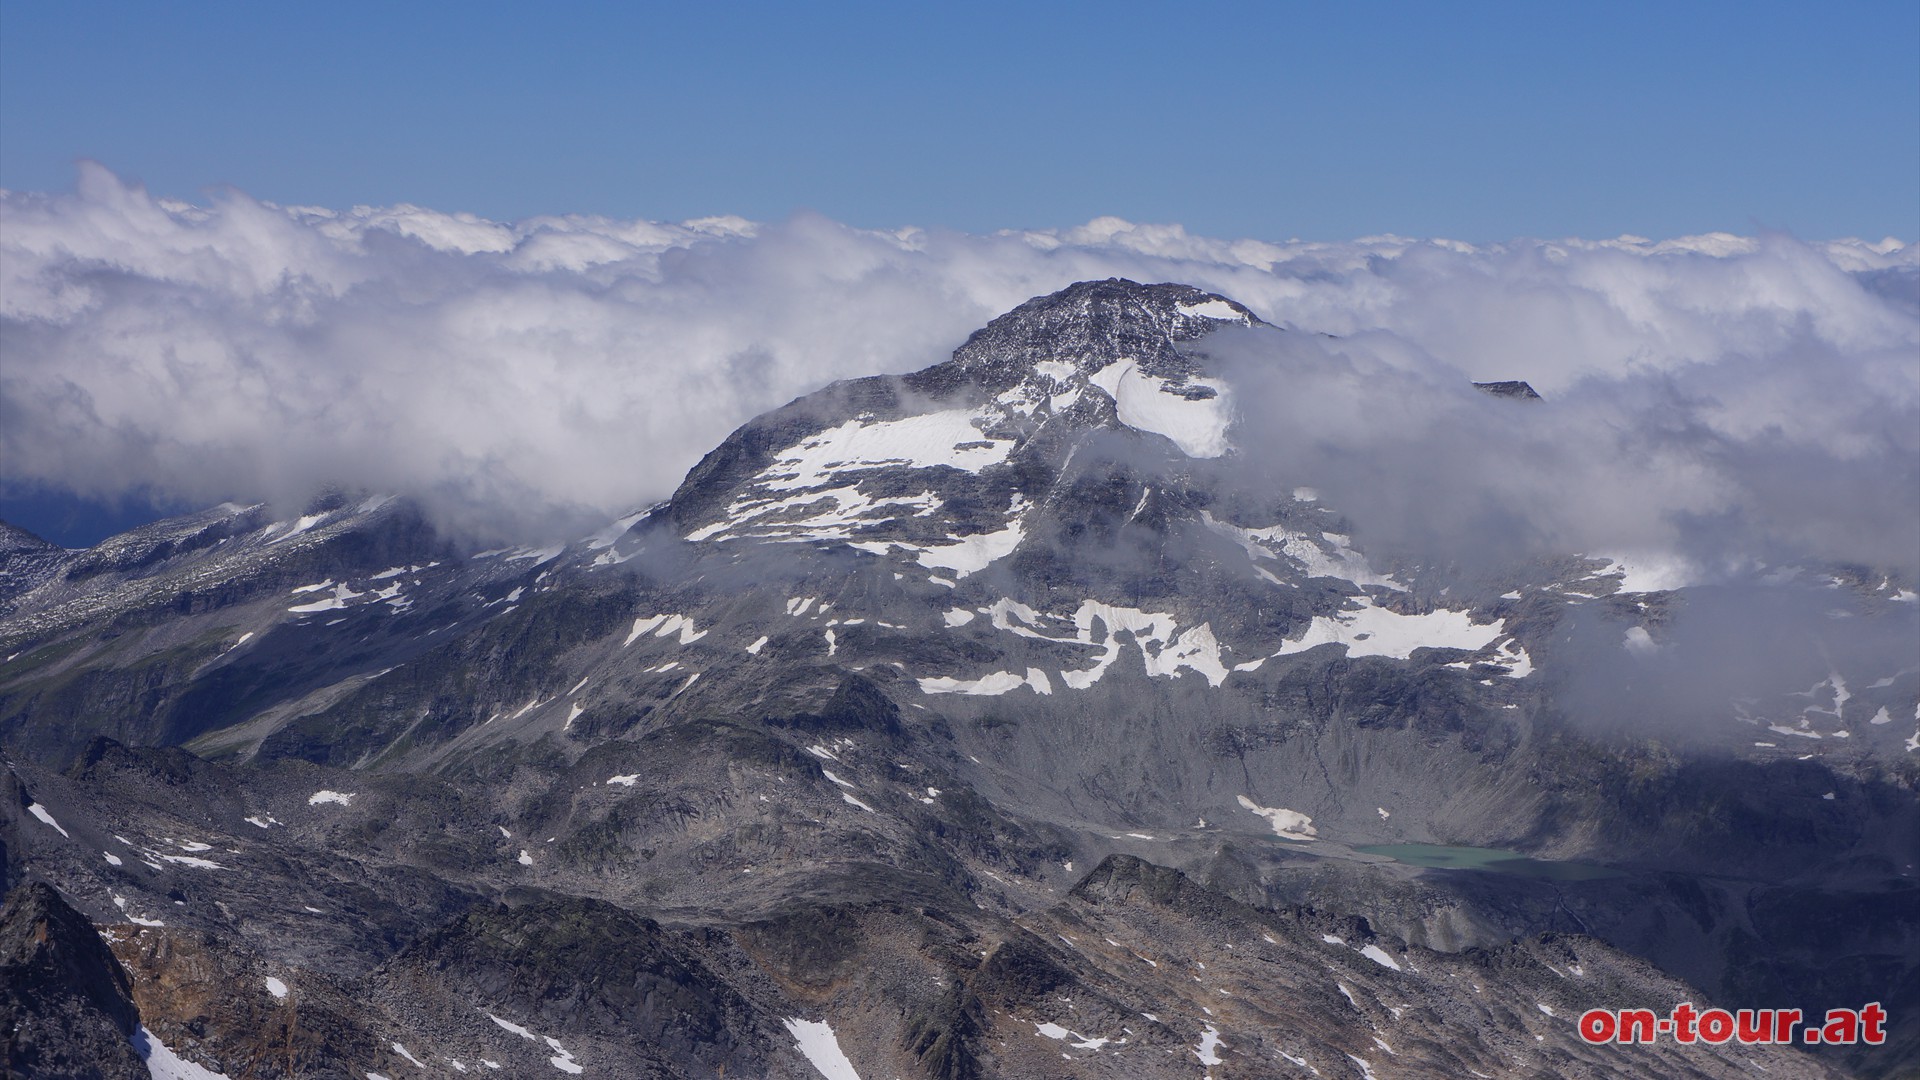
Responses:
[816,1042]
[46,818]
[562,1058]
[1209,1045]
[1198,426]
[336,602]
[1328,555]
[610,535]
[665,626]
[1288,824]
[1379,956]
[538,555]
[511,1026]
[1375,631]
[987,686]
[344,798]
[1055,1031]
[277,988]
[1153,632]
[971,554]
[302,525]
[1515,659]
[946,438]
[1215,309]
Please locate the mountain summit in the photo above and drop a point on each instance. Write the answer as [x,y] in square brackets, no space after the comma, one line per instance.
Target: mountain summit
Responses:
[1093,324]
[1098,355]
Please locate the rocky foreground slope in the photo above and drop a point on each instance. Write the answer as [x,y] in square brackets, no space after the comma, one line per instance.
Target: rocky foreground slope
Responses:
[997,720]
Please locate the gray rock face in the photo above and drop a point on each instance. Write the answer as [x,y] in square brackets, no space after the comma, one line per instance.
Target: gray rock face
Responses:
[987,715]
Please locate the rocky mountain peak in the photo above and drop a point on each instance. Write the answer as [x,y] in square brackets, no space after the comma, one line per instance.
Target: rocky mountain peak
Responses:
[1095,355]
[1104,354]
[1090,324]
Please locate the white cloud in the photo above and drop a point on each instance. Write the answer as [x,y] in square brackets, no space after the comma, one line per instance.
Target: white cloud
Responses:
[515,375]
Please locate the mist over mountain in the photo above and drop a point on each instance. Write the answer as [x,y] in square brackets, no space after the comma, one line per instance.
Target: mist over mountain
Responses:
[1717,400]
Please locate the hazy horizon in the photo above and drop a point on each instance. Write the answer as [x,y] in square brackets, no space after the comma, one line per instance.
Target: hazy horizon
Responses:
[531,380]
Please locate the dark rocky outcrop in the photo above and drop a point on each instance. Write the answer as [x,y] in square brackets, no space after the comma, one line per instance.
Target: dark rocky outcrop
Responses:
[66,1005]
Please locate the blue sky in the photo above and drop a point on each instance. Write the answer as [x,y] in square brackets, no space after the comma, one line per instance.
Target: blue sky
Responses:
[1330,121]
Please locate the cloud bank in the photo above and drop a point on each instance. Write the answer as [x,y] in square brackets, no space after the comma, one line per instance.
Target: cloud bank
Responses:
[1726,396]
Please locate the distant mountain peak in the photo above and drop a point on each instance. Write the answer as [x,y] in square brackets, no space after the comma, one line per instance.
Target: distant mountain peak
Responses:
[1510,388]
[1089,324]
[1111,354]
